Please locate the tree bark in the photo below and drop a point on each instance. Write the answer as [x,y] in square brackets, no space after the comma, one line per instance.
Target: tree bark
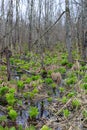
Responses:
[68,32]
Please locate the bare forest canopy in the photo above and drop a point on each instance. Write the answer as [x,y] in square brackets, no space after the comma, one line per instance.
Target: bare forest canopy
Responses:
[26,22]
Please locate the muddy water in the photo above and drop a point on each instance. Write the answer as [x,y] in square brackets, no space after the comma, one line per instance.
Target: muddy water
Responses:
[23,115]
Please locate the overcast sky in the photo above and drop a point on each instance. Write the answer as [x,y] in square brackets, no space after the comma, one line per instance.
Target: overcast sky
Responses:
[23,6]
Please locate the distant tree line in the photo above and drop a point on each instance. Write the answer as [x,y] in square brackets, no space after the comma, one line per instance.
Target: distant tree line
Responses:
[23,22]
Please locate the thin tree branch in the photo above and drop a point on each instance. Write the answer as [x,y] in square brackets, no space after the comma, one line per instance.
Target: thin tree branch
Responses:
[35,42]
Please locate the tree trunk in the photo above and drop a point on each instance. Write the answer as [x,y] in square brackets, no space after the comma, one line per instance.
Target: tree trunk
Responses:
[30,16]
[84,28]
[68,31]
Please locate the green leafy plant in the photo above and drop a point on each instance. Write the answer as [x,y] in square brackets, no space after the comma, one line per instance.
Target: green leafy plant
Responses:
[12,61]
[35,91]
[48,81]
[25,66]
[76,103]
[35,77]
[1,128]
[71,74]
[3,90]
[45,127]
[49,72]
[33,112]
[10,98]
[28,80]
[31,127]
[12,90]
[84,86]
[20,84]
[66,113]
[64,62]
[69,65]
[53,85]
[84,112]
[71,94]
[12,128]
[70,81]
[3,68]
[64,99]
[61,89]
[29,94]
[9,108]
[50,99]
[12,114]
[85,79]
[3,118]
[34,84]
[62,70]
[20,127]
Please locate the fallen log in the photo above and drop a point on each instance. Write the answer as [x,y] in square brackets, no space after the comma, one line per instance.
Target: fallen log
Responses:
[81,61]
[14,66]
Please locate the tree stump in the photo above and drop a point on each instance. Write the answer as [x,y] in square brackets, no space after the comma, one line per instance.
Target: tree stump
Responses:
[7,54]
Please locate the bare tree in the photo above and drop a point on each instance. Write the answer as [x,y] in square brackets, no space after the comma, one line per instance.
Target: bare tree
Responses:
[84,28]
[30,17]
[68,31]
[2,23]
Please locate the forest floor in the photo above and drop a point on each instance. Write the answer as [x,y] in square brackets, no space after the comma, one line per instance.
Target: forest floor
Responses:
[45,92]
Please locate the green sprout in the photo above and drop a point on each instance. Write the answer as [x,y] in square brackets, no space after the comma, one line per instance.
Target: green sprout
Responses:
[12,114]
[10,98]
[66,113]
[50,99]
[76,103]
[71,80]
[84,113]
[48,80]
[3,118]
[61,89]
[64,100]
[3,90]
[71,94]
[33,112]
[20,84]
[45,127]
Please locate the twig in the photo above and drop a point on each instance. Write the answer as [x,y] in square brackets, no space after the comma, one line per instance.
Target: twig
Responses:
[64,106]
[3,109]
[81,61]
